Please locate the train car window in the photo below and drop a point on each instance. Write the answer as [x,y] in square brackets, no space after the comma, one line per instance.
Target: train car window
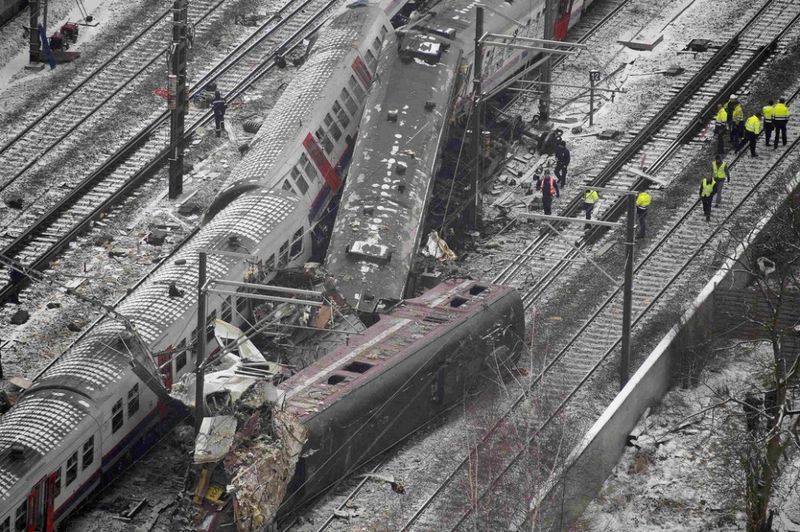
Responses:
[5,526]
[357,89]
[349,102]
[271,263]
[326,141]
[308,167]
[56,486]
[133,393]
[117,418]
[21,518]
[383,31]
[182,347]
[287,186]
[180,362]
[297,243]
[340,114]
[210,325]
[72,468]
[283,256]
[194,339]
[88,452]
[376,45]
[227,312]
[333,129]
[371,61]
[301,184]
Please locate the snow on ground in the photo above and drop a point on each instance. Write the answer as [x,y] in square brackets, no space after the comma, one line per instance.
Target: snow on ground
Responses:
[14,49]
[679,479]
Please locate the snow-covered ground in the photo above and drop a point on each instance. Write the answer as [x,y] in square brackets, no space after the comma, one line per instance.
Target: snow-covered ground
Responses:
[678,475]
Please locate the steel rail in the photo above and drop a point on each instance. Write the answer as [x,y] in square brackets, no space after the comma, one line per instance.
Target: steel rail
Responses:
[545,372]
[78,192]
[643,137]
[239,51]
[582,39]
[92,75]
[653,301]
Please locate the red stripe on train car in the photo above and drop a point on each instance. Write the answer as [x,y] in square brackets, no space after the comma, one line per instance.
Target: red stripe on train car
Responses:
[322,163]
[362,71]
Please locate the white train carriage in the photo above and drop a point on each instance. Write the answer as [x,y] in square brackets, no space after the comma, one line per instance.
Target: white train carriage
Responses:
[99,404]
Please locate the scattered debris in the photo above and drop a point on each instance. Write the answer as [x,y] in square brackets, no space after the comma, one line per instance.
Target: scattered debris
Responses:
[127,514]
[438,248]
[14,202]
[609,134]
[19,317]
[156,237]
[397,487]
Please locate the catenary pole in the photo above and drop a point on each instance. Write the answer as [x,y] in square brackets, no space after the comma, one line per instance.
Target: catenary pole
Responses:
[177,95]
[199,401]
[627,295]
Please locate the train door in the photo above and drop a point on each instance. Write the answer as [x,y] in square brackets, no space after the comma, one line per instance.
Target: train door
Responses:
[562,20]
[40,505]
[165,366]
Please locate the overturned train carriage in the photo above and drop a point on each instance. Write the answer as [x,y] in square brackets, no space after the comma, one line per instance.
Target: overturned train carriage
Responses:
[408,368]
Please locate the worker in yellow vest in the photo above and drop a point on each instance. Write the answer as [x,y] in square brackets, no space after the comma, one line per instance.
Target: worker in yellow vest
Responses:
[735,120]
[767,112]
[720,125]
[780,116]
[721,176]
[752,128]
[707,186]
[642,203]
[590,198]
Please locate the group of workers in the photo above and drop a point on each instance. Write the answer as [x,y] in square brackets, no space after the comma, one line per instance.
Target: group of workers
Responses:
[730,118]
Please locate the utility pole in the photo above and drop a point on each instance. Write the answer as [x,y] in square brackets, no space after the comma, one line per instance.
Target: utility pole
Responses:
[177,95]
[199,400]
[545,73]
[38,15]
[627,295]
[594,77]
[477,123]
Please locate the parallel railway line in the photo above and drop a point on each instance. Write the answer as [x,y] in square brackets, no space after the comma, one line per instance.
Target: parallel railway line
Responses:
[447,505]
[37,243]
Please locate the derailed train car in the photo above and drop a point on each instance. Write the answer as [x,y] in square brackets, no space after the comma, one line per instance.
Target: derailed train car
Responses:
[103,402]
[422,84]
[359,400]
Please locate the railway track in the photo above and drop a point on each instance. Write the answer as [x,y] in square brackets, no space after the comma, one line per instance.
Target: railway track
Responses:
[675,121]
[659,274]
[461,499]
[93,95]
[35,244]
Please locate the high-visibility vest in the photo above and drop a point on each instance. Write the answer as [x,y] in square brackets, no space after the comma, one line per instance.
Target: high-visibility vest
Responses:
[707,187]
[643,200]
[591,197]
[719,171]
[753,125]
[738,113]
[767,111]
[780,111]
[722,116]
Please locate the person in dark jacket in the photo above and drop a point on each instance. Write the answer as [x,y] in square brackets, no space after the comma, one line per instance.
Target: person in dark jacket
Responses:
[218,105]
[562,162]
[549,186]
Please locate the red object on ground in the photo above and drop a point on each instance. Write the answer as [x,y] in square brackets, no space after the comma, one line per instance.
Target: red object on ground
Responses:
[161,92]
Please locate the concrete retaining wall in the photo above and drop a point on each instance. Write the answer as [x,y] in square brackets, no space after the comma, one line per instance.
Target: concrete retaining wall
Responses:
[563,500]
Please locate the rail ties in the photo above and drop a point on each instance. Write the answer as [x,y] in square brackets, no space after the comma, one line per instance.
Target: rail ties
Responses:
[658,275]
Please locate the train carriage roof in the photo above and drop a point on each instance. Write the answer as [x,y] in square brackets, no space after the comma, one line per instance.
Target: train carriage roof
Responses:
[289,117]
[36,425]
